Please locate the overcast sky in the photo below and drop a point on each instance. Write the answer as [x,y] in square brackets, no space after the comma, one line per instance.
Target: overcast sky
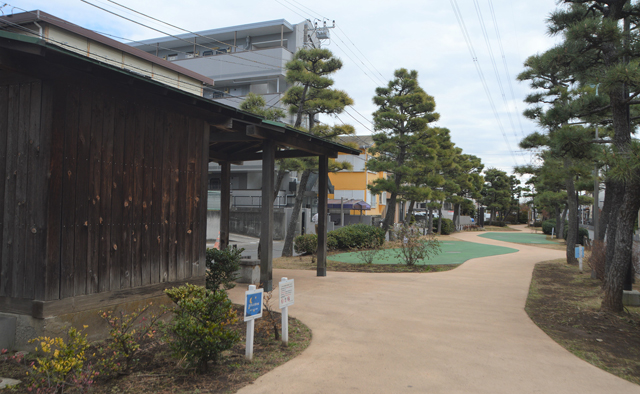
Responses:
[373,38]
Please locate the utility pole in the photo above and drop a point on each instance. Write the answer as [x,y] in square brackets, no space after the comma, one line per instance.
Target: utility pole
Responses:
[321,33]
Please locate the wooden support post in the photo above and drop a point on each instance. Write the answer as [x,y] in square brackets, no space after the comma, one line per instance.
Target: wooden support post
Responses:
[266,229]
[225,204]
[323,183]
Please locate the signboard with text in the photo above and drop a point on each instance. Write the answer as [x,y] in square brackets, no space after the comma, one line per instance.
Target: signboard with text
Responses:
[253,304]
[285,290]
[579,252]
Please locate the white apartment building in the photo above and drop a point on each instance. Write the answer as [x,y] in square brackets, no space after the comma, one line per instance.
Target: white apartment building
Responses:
[240,59]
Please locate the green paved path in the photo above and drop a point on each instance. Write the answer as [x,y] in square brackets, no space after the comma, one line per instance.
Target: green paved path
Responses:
[521,238]
[452,252]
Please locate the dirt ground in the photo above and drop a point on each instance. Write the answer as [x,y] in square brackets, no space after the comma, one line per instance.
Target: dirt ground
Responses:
[157,371]
[565,304]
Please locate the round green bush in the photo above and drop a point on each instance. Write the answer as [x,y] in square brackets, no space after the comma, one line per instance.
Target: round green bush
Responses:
[447,226]
[306,244]
[355,236]
[583,234]
[547,225]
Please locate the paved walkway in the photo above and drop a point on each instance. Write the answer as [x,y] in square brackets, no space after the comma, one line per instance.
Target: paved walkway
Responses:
[461,331]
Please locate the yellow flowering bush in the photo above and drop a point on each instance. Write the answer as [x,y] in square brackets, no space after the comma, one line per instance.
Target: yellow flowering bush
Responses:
[128,331]
[60,364]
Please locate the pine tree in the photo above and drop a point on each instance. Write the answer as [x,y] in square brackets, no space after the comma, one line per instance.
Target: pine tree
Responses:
[311,94]
[403,115]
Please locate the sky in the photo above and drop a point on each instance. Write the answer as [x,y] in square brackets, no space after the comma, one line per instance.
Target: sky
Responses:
[373,38]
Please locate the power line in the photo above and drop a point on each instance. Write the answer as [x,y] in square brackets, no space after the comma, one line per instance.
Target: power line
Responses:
[174,36]
[467,38]
[107,60]
[494,64]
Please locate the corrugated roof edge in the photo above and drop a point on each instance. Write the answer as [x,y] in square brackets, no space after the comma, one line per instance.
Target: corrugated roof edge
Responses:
[221,30]
[37,15]
[284,125]
[257,119]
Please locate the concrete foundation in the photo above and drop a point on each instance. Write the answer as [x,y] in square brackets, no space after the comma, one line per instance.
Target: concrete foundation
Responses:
[631,298]
[7,331]
[26,327]
[249,272]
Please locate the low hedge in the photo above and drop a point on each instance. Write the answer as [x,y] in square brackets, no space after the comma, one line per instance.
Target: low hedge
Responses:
[583,234]
[547,225]
[306,244]
[355,236]
[446,228]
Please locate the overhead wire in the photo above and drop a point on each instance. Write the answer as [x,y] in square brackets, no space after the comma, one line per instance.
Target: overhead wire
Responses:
[508,74]
[109,61]
[474,57]
[345,44]
[494,65]
[174,36]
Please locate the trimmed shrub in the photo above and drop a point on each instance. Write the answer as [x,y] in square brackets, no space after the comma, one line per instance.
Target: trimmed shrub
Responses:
[446,228]
[355,236]
[202,325]
[547,225]
[496,223]
[306,244]
[222,266]
[583,234]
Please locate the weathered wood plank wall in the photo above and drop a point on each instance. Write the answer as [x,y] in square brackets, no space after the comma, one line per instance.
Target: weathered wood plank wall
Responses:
[99,192]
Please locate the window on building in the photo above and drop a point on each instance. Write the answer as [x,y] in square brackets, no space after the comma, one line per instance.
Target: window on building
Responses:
[383,198]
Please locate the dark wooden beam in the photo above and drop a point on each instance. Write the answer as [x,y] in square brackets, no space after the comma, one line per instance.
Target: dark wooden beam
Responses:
[291,140]
[281,154]
[222,136]
[323,186]
[225,204]
[266,227]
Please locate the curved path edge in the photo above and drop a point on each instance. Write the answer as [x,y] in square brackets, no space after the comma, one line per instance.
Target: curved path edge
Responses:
[459,331]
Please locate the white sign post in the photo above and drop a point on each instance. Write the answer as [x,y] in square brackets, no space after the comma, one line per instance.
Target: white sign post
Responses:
[580,255]
[252,311]
[285,290]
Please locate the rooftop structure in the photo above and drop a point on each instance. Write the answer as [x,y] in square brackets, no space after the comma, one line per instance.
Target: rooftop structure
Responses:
[241,59]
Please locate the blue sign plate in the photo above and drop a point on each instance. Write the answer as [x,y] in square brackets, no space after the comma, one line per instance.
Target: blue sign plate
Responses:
[253,304]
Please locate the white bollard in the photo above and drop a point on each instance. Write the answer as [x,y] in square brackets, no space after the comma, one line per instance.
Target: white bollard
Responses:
[285,321]
[580,264]
[250,331]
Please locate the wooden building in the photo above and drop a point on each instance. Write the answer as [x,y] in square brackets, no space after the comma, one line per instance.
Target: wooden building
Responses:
[103,195]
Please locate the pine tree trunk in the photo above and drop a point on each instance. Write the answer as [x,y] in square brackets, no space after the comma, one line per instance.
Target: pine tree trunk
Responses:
[560,225]
[279,179]
[558,221]
[409,212]
[287,250]
[456,216]
[430,225]
[440,218]
[603,219]
[391,212]
[618,268]
[572,234]
[612,227]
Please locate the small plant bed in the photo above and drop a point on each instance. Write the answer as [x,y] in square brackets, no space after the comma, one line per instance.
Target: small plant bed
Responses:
[498,228]
[156,371]
[451,253]
[565,304]
[520,238]
[310,263]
